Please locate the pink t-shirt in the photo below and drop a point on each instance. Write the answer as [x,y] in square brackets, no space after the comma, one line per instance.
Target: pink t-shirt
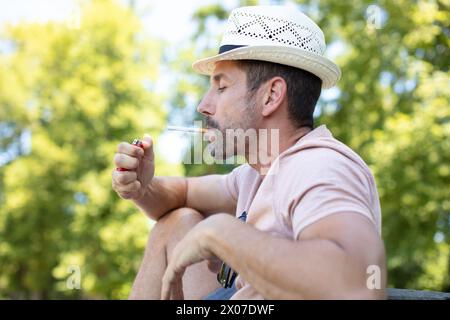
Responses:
[316,177]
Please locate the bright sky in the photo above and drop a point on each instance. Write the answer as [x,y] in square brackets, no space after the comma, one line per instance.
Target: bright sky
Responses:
[158,15]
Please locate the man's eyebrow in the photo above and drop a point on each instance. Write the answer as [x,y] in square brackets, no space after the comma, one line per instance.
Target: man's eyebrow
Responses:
[217,77]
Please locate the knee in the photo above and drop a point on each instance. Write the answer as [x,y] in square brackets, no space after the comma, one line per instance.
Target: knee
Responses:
[179,219]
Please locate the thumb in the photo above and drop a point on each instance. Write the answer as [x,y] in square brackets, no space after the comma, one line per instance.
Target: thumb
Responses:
[147,142]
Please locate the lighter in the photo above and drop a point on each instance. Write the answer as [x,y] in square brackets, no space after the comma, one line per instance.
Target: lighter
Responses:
[135,142]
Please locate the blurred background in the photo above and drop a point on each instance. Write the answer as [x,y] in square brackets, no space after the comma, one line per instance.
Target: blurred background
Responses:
[78,77]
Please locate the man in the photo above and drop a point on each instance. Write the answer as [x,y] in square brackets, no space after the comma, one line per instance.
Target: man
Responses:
[313,216]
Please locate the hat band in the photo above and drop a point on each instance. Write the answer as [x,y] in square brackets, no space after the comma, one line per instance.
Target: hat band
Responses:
[229,47]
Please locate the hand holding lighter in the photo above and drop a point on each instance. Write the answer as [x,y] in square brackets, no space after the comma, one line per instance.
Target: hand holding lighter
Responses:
[135,142]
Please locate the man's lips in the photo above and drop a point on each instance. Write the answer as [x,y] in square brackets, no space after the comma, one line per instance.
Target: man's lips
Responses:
[210,134]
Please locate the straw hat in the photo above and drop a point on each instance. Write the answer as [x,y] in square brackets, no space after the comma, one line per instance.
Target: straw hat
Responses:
[277,34]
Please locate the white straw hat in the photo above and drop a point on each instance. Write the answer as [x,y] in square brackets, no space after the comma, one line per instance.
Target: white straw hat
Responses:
[278,34]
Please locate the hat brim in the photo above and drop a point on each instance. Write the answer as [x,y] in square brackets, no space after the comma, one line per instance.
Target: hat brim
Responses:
[322,67]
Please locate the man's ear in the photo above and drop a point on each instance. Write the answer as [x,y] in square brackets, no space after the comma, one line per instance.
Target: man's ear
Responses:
[274,95]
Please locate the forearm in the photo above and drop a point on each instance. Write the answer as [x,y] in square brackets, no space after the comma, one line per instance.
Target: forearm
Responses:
[284,269]
[162,195]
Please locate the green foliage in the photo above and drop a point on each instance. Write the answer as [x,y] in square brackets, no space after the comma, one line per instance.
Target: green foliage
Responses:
[77,92]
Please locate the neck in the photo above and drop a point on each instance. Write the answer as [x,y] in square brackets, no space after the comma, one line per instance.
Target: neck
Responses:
[271,143]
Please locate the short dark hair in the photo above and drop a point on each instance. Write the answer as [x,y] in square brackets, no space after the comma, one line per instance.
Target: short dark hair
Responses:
[303,87]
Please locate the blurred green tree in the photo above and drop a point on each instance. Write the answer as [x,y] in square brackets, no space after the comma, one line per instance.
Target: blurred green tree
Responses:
[69,93]
[391,106]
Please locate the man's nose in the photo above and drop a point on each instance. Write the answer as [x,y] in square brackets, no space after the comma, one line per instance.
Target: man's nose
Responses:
[206,106]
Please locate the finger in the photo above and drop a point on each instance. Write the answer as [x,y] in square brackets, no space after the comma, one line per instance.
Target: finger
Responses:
[128,196]
[177,289]
[122,160]
[147,142]
[166,283]
[130,149]
[172,285]
[128,189]
[124,177]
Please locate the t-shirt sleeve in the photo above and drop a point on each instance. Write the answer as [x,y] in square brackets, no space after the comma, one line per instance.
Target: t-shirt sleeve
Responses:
[231,182]
[328,184]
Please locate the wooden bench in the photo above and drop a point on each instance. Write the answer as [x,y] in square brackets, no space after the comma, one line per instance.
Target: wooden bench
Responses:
[406,294]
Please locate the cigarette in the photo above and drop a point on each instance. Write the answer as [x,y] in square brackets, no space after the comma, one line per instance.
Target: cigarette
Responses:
[187,129]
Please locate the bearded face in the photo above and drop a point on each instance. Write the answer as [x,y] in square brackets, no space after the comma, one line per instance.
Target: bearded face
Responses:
[234,135]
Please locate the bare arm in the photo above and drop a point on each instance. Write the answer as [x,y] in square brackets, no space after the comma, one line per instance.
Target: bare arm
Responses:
[204,194]
[328,261]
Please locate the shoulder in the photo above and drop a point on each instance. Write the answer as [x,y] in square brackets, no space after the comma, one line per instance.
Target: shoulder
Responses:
[321,163]
[319,153]
[323,167]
